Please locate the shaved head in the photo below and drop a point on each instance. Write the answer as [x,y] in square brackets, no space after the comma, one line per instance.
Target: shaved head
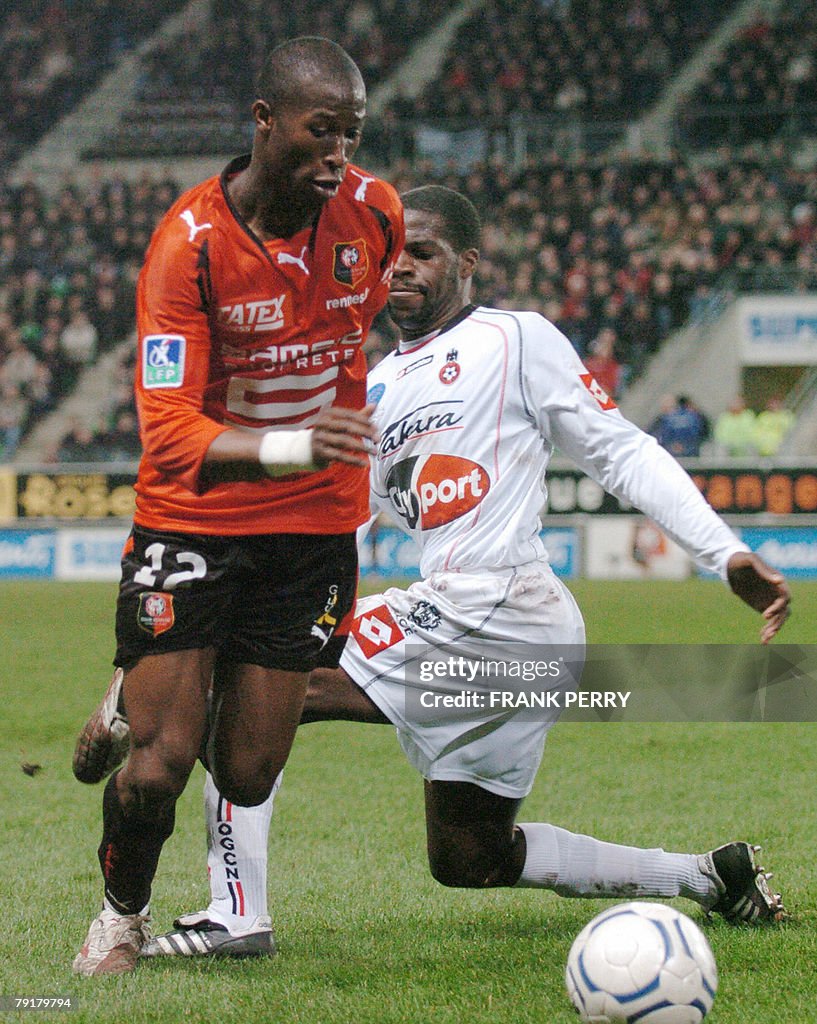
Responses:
[297,68]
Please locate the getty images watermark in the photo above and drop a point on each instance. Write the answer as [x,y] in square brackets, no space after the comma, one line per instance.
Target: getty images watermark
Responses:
[617,682]
[489,672]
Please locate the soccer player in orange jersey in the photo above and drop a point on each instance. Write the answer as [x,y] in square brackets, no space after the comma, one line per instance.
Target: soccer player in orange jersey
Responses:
[255,299]
[475,397]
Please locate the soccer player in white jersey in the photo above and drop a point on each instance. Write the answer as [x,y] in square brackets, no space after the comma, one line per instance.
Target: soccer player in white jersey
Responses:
[469,408]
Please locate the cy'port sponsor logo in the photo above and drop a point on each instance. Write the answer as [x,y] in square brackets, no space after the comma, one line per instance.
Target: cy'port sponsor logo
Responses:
[433,490]
[260,315]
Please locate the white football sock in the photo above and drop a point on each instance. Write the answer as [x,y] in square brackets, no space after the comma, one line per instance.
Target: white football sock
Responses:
[577,865]
[237,858]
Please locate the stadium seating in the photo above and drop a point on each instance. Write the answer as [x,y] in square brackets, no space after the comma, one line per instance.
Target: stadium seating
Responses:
[68,268]
[764,85]
[53,51]
[632,247]
[196,93]
[582,57]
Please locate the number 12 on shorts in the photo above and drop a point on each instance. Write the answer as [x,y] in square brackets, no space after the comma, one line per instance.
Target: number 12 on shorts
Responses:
[148,574]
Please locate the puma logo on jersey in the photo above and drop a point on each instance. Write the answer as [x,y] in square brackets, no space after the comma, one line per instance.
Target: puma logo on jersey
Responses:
[187,217]
[298,261]
[360,192]
[388,274]
[262,315]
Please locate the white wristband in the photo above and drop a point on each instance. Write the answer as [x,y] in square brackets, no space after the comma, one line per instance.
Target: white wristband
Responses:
[286,451]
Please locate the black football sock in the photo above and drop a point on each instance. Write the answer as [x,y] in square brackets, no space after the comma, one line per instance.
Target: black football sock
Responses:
[130,848]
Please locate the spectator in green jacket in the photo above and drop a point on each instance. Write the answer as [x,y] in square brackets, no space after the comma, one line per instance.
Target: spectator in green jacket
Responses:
[735,430]
[771,426]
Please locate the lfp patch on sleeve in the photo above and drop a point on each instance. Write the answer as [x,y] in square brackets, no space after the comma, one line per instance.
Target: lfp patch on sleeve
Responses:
[163,361]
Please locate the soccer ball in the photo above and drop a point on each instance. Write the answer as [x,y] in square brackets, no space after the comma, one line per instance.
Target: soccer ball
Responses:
[642,962]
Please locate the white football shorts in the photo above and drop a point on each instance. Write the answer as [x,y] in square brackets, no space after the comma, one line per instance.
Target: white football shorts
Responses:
[457,620]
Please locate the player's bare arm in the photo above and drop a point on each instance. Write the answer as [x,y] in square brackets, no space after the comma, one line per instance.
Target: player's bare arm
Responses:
[337,435]
[762,588]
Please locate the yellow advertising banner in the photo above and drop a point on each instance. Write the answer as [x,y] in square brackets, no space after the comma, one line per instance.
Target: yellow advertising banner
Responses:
[8,495]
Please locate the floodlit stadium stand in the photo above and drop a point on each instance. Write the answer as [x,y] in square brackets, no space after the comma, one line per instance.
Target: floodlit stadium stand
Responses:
[52,52]
[763,86]
[619,247]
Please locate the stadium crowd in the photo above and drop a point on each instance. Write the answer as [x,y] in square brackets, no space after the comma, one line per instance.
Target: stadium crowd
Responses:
[634,246]
[52,52]
[68,269]
[765,81]
[588,58]
[583,58]
[209,74]
[617,254]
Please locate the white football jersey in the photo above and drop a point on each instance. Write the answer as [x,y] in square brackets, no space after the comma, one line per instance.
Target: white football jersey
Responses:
[468,420]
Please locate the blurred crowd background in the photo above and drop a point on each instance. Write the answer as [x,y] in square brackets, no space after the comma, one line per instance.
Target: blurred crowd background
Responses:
[636,165]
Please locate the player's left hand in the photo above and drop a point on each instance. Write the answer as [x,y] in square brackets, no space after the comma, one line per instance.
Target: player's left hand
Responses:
[343,435]
[762,588]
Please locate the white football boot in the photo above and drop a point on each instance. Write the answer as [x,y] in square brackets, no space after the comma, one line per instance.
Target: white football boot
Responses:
[113,944]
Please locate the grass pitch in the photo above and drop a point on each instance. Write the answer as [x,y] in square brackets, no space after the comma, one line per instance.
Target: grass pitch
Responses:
[365,935]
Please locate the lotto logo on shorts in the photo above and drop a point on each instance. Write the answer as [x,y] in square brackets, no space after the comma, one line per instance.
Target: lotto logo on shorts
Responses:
[597,391]
[376,631]
[163,361]
[155,614]
[433,490]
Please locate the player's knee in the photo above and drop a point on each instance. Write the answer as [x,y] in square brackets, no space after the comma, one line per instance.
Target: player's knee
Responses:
[332,695]
[244,794]
[450,869]
[246,790]
[154,780]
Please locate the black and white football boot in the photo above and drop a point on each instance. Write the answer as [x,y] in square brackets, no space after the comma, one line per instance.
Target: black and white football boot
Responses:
[196,935]
[743,893]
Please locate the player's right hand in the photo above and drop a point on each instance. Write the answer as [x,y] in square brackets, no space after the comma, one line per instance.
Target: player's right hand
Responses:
[762,588]
[343,435]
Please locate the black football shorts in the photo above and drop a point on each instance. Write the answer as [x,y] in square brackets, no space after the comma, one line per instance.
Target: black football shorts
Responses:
[273,600]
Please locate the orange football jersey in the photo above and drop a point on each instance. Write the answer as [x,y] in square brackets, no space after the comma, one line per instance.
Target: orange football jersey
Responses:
[236,332]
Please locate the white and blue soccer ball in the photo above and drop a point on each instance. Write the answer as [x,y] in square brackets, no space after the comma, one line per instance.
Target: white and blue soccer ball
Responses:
[641,962]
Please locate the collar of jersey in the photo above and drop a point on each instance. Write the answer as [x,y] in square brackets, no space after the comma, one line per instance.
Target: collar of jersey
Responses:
[407,347]
[240,163]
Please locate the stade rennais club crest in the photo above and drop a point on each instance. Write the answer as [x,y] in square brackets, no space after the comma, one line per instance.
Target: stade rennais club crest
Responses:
[351,262]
